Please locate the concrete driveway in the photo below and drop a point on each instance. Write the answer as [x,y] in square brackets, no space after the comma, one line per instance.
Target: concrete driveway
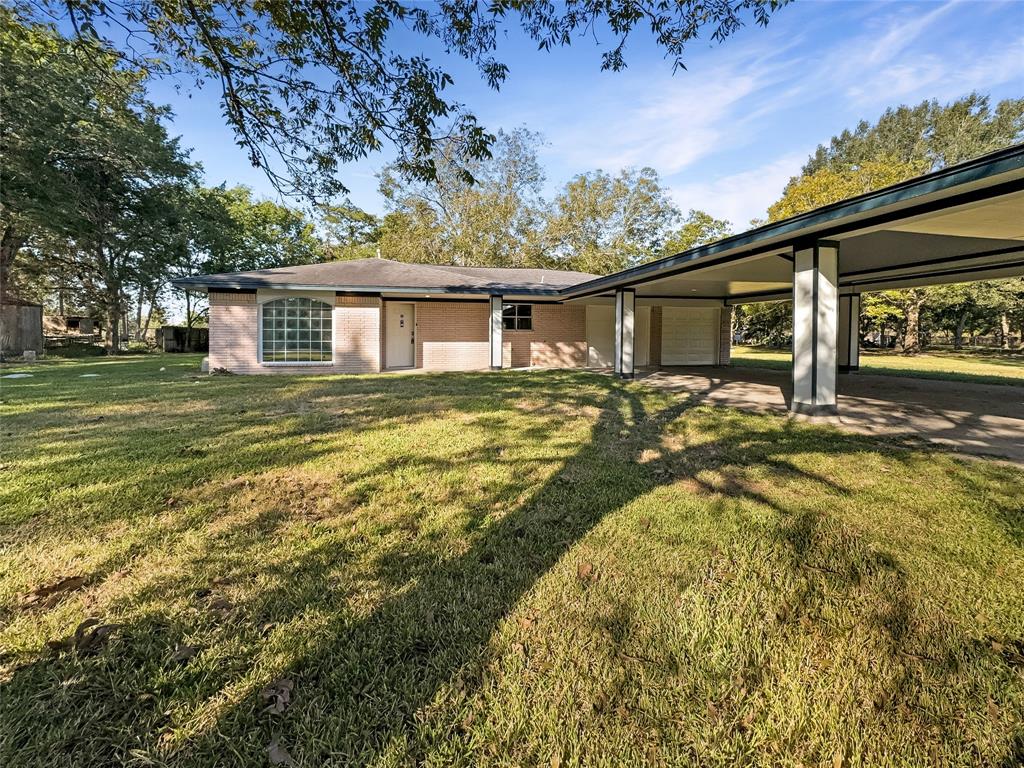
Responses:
[981,419]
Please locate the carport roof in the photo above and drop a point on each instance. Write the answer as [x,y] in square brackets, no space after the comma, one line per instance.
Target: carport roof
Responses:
[964,222]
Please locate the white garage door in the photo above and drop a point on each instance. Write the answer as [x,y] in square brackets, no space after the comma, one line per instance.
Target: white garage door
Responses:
[642,351]
[600,336]
[689,335]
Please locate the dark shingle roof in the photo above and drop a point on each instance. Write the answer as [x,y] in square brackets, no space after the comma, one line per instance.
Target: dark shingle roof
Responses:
[385,275]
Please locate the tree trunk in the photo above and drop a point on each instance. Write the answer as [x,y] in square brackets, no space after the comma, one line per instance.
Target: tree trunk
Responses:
[149,317]
[138,316]
[912,334]
[1004,330]
[188,314]
[111,298]
[10,243]
[958,338]
[113,326]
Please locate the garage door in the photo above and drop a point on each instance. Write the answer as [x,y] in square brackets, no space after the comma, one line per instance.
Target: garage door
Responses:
[642,342]
[600,336]
[689,336]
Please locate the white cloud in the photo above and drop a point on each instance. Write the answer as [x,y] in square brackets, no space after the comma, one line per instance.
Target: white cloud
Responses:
[922,75]
[672,122]
[726,101]
[740,197]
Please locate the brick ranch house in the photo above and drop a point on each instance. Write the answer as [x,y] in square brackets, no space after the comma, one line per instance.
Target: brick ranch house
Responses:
[957,224]
[374,315]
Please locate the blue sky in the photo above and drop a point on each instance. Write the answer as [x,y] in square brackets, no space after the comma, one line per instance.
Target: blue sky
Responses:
[727,133]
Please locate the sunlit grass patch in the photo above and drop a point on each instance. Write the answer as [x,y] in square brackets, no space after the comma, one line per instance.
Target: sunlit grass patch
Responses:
[508,569]
[981,367]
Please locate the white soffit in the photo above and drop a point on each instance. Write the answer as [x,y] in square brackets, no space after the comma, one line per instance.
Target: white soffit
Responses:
[1002,218]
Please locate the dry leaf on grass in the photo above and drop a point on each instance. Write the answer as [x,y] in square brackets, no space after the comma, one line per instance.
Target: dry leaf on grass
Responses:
[49,595]
[277,754]
[185,652]
[278,695]
[993,711]
[88,638]
[586,572]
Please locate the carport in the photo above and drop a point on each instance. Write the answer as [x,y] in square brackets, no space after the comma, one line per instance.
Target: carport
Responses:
[985,419]
[962,223]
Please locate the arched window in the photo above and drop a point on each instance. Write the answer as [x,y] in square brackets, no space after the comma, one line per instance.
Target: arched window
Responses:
[296,330]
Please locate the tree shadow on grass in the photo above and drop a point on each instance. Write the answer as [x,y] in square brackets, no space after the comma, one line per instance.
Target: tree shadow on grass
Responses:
[366,670]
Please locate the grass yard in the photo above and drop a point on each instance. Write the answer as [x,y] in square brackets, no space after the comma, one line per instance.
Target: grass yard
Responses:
[521,568]
[989,367]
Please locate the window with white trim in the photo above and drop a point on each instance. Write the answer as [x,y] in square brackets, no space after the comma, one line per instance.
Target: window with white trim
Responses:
[296,330]
[517,317]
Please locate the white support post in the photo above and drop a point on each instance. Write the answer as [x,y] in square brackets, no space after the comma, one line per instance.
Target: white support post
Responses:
[849,333]
[495,333]
[815,328]
[625,324]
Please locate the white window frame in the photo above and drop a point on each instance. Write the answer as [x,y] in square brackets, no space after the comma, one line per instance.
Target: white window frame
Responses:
[288,363]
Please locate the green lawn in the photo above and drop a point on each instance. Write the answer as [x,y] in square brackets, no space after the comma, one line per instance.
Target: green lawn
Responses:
[979,367]
[520,568]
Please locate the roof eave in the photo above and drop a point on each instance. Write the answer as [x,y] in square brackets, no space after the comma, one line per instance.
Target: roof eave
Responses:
[204,286]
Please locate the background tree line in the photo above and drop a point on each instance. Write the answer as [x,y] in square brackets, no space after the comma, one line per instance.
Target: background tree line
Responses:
[100,206]
[493,212]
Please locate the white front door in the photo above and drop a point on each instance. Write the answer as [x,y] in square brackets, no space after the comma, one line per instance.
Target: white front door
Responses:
[600,336]
[400,351]
[689,335]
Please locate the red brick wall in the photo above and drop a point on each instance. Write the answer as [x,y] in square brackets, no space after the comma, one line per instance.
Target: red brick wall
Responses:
[558,338]
[449,336]
[357,334]
[452,335]
[234,331]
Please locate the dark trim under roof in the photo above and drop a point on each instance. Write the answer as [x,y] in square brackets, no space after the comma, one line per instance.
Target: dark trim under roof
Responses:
[871,209]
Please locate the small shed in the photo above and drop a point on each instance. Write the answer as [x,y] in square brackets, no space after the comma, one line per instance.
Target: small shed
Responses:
[178,338]
[21,327]
[70,325]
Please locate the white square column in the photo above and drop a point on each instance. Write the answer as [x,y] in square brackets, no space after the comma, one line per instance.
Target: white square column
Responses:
[495,332]
[815,328]
[849,333]
[625,325]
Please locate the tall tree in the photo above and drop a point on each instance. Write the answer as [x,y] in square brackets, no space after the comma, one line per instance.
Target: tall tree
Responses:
[927,136]
[602,223]
[698,228]
[838,182]
[86,159]
[307,84]
[905,141]
[475,212]
[46,104]
[350,232]
[225,229]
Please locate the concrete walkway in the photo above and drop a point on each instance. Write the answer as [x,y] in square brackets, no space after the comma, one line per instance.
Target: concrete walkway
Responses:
[981,419]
